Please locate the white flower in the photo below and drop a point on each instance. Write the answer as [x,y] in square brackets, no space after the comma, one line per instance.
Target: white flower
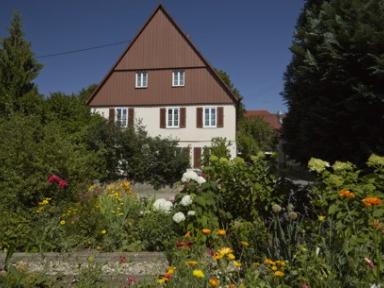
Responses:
[163,205]
[191,213]
[200,180]
[375,286]
[186,200]
[178,217]
[189,175]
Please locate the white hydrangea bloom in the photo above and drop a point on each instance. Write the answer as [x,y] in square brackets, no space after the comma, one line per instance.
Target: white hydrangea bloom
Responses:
[191,213]
[178,217]
[201,180]
[163,205]
[189,175]
[186,200]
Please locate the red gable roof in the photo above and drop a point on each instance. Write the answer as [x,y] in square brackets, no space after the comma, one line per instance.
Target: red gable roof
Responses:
[272,119]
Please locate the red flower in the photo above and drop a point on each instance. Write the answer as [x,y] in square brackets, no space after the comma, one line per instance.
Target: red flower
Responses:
[57,180]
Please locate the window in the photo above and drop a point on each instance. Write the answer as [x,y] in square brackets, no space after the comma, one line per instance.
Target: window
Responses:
[141,79]
[210,117]
[122,117]
[173,118]
[178,77]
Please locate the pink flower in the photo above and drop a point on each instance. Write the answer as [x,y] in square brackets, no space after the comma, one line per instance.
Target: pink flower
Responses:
[63,184]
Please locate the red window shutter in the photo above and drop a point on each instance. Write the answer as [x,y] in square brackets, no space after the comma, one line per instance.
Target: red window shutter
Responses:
[196,157]
[111,115]
[162,117]
[182,117]
[131,117]
[199,117]
[220,117]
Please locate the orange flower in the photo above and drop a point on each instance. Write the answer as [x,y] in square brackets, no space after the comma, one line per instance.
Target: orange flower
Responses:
[221,232]
[344,193]
[214,282]
[371,201]
[206,231]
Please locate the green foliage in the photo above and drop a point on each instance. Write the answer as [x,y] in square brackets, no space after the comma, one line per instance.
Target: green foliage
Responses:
[334,84]
[18,69]
[16,277]
[254,136]
[219,148]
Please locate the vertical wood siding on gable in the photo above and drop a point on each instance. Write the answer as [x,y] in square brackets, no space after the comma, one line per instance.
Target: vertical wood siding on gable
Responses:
[159,45]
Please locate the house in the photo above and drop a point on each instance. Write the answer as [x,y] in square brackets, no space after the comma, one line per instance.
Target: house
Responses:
[163,82]
[273,120]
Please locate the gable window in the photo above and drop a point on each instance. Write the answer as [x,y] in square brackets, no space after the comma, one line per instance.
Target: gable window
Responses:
[173,117]
[210,117]
[141,79]
[178,78]
[122,117]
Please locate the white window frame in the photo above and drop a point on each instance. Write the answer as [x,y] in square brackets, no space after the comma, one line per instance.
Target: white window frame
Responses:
[177,76]
[125,123]
[210,124]
[139,79]
[173,120]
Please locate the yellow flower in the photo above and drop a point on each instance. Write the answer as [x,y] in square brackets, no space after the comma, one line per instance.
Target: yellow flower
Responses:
[225,251]
[103,232]
[279,274]
[214,282]
[230,256]
[62,222]
[321,218]
[237,264]
[269,261]
[161,280]
[171,270]
[206,231]
[217,256]
[274,268]
[280,262]
[198,273]
[221,232]
[244,243]
[191,262]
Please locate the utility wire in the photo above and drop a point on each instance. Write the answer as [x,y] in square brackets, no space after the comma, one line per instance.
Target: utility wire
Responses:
[81,50]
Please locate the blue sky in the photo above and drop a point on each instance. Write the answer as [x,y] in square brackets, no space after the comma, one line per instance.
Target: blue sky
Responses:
[249,39]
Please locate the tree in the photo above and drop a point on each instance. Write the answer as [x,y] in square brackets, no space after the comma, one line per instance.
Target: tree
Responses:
[255,135]
[334,85]
[18,69]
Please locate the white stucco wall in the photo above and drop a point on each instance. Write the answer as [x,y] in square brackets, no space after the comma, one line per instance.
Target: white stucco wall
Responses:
[190,136]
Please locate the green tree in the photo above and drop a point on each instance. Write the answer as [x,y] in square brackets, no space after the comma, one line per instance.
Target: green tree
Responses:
[18,69]
[334,86]
[255,135]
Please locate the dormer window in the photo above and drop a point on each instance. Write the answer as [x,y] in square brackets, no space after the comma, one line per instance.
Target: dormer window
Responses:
[141,79]
[178,78]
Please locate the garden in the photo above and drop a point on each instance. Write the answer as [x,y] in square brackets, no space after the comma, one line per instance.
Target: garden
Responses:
[238,224]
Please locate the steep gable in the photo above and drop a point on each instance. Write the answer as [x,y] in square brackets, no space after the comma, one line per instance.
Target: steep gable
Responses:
[161,45]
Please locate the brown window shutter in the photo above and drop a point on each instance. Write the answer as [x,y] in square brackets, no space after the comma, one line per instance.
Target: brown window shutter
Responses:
[199,117]
[220,117]
[111,115]
[196,157]
[162,117]
[131,117]
[182,117]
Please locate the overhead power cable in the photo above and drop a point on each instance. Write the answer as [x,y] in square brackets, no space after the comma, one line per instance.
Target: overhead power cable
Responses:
[81,50]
